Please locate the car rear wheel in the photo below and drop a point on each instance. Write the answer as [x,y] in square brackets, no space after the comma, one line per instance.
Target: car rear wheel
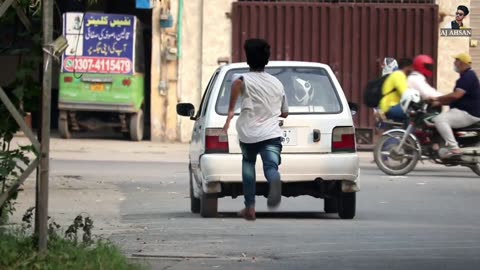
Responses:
[208,205]
[330,205]
[346,205]
[194,202]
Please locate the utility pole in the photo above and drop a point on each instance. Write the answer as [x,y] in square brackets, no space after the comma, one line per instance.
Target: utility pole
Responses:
[42,202]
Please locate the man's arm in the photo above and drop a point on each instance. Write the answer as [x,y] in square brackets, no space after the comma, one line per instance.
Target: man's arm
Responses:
[460,89]
[425,89]
[284,109]
[457,94]
[237,87]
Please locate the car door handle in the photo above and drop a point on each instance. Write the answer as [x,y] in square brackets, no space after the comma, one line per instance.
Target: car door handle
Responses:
[316,135]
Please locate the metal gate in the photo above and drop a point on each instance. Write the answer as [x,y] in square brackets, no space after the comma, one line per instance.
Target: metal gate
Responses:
[352,38]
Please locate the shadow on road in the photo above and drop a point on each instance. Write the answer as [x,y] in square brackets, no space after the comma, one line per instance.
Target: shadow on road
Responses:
[436,172]
[233,215]
[283,215]
[103,134]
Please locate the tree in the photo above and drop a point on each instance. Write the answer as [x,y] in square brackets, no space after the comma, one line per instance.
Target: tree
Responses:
[23,93]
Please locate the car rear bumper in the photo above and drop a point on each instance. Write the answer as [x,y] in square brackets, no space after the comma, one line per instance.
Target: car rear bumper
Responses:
[294,167]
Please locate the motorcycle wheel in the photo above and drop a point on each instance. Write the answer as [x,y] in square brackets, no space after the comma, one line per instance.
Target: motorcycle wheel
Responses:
[384,151]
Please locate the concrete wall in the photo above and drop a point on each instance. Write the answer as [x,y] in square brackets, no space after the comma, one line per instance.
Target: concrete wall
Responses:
[189,72]
[449,46]
[475,24]
[157,101]
[206,37]
[164,97]
[217,36]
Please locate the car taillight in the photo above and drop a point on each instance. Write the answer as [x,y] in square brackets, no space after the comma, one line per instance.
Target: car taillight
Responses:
[67,79]
[216,141]
[343,139]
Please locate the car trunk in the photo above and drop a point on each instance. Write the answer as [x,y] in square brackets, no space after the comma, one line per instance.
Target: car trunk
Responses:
[301,133]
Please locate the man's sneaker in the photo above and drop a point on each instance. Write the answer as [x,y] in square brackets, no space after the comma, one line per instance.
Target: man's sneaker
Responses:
[274,194]
[248,214]
[449,153]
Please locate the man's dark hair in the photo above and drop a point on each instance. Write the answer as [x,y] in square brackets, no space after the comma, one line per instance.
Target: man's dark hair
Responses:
[464,9]
[258,53]
[405,62]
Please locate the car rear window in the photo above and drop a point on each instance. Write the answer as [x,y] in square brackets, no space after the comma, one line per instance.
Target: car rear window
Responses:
[308,90]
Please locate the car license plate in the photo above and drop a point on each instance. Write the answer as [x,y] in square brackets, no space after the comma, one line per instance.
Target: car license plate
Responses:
[289,137]
[97,87]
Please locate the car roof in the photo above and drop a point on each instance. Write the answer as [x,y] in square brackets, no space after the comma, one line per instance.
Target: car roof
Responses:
[278,64]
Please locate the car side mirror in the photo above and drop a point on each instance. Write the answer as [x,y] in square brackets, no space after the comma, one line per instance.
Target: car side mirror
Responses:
[186,109]
[353,108]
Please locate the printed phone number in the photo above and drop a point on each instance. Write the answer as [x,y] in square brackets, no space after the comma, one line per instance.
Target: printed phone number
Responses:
[98,65]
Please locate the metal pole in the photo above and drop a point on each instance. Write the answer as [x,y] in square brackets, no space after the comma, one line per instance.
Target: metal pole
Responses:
[4,6]
[42,207]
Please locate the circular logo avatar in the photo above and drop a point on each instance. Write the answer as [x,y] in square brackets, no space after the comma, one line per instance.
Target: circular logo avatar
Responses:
[69,63]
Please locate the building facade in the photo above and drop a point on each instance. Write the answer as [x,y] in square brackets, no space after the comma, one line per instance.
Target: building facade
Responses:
[207,33]
[203,33]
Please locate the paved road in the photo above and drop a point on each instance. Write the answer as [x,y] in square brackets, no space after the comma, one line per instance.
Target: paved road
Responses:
[427,220]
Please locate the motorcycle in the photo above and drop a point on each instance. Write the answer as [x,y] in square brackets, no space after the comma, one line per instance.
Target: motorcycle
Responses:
[420,141]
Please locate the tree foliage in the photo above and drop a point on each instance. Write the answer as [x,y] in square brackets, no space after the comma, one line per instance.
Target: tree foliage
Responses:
[23,92]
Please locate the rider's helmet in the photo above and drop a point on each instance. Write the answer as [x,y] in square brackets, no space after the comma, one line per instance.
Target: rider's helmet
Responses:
[303,91]
[423,64]
[410,96]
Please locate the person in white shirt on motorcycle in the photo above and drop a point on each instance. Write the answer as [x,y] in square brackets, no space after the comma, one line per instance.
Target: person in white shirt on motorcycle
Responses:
[422,68]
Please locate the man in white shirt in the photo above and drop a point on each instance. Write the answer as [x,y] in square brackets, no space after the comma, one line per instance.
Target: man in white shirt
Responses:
[422,68]
[259,132]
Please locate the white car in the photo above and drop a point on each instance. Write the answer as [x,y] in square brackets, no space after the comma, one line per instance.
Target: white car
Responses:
[319,156]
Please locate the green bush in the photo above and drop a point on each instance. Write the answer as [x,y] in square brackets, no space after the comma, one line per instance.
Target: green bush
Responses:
[18,250]
[18,253]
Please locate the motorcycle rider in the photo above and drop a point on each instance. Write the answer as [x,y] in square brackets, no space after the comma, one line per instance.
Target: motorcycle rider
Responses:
[464,104]
[393,88]
[388,66]
[422,69]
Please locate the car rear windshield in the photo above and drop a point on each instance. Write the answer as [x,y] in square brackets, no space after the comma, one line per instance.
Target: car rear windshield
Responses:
[308,90]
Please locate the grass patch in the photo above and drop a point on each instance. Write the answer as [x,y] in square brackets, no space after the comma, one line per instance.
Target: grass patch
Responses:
[18,252]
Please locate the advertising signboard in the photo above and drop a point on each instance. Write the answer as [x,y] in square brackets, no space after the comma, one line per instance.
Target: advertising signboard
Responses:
[99,43]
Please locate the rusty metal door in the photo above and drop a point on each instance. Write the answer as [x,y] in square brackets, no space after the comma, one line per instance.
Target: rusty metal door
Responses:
[352,38]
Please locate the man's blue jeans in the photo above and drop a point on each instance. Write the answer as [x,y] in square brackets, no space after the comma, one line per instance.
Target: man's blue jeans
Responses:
[269,151]
[397,114]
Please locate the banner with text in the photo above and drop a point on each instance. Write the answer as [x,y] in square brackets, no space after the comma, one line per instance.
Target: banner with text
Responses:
[99,43]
